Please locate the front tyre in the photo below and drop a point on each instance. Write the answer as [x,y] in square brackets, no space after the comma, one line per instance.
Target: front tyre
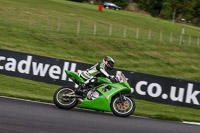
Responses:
[123,110]
[63,100]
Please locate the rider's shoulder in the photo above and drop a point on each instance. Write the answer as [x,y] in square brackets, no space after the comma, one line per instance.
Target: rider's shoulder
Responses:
[102,65]
[99,65]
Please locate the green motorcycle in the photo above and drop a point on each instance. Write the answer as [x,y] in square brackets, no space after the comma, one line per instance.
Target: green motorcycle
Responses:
[107,96]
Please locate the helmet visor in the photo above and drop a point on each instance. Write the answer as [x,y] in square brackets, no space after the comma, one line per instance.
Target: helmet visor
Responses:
[111,64]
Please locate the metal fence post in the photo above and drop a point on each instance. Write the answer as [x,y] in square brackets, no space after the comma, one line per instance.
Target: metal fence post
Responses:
[137,33]
[95,29]
[183,31]
[110,31]
[58,30]
[78,27]
[180,42]
[124,31]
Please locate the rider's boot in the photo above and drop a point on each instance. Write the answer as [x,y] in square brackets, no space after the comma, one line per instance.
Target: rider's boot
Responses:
[81,88]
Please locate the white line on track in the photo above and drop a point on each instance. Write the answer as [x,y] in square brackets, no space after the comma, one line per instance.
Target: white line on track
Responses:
[26,100]
[185,122]
[192,123]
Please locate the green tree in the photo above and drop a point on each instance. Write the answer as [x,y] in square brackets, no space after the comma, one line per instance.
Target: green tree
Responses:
[175,5]
[151,6]
[188,9]
[170,8]
[197,9]
[167,10]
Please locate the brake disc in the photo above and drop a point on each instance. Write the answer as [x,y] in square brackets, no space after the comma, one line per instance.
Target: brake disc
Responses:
[123,107]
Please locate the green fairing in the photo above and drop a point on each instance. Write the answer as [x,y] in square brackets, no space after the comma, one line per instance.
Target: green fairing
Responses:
[100,103]
[73,76]
[102,79]
[103,101]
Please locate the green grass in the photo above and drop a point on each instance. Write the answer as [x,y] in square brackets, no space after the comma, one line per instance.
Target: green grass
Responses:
[41,37]
[27,89]
[166,112]
[135,55]
[24,15]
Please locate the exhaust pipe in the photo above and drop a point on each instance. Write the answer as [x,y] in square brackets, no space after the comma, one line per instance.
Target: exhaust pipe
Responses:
[80,100]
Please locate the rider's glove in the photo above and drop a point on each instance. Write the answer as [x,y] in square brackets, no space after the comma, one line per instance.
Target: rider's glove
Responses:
[112,78]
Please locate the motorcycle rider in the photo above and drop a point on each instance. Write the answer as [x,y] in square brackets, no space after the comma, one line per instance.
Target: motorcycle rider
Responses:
[98,70]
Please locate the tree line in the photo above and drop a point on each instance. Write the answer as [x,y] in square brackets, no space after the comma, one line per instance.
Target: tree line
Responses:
[166,9]
[187,9]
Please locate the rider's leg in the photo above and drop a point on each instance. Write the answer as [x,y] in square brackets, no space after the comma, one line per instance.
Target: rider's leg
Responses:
[86,77]
[82,87]
[88,82]
[91,81]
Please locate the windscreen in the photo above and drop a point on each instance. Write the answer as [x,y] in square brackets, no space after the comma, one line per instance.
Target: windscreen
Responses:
[121,77]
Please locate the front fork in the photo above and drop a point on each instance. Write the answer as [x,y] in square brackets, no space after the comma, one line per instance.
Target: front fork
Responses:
[122,98]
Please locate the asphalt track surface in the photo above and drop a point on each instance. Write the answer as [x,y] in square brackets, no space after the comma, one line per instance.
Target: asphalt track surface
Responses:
[18,116]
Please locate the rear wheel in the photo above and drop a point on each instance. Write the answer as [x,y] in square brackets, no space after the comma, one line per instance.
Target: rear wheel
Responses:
[123,110]
[62,98]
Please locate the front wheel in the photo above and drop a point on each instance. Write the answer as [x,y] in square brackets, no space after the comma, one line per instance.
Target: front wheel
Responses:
[125,109]
[62,98]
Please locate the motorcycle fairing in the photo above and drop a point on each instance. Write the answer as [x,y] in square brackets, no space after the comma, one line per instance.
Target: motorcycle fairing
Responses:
[103,101]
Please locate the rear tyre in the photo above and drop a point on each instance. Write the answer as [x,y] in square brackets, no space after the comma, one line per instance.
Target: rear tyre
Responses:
[61,100]
[123,110]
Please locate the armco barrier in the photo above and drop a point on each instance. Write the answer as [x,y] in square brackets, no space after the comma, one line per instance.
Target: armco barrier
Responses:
[147,87]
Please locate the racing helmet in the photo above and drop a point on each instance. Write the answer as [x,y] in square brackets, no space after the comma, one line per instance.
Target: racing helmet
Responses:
[109,62]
